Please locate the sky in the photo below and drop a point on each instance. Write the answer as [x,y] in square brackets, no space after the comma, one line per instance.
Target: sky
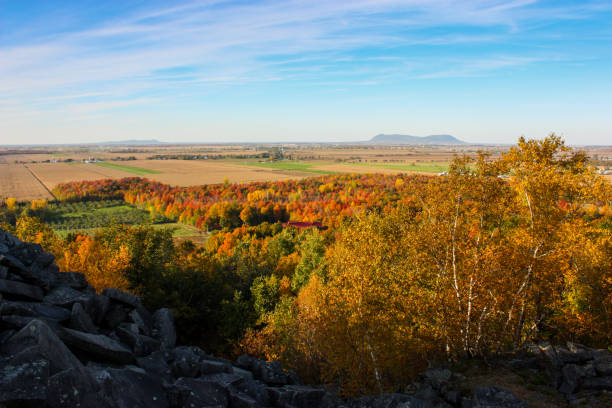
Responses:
[304,70]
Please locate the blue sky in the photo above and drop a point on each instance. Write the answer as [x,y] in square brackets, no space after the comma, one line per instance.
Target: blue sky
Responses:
[244,71]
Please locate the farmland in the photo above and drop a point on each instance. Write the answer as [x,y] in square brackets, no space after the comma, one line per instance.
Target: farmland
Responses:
[288,165]
[129,169]
[30,174]
[18,182]
[86,217]
[268,254]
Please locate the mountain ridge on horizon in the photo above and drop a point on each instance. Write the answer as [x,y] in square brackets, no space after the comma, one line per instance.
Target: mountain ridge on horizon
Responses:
[395,138]
[132,142]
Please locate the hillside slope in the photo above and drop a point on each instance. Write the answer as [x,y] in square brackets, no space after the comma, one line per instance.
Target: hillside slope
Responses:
[64,345]
[417,140]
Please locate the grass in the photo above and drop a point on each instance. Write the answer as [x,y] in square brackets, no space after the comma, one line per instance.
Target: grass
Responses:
[93,214]
[306,167]
[88,217]
[179,231]
[426,167]
[129,169]
[105,210]
[287,165]
[83,231]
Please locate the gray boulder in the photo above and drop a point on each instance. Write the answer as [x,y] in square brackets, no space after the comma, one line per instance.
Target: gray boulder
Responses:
[495,397]
[215,367]
[598,383]
[66,296]
[163,327]
[248,391]
[20,290]
[191,392]
[604,366]
[245,374]
[122,297]
[130,387]
[99,307]
[241,400]
[19,322]
[437,377]
[34,309]
[296,396]
[37,333]
[97,346]
[390,401]
[269,372]
[155,363]
[80,320]
[143,319]
[24,385]
[186,363]
[69,388]
[74,280]
[116,314]
[571,378]
[140,344]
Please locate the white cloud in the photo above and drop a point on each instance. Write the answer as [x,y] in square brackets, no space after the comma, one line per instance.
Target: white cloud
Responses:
[122,62]
[233,42]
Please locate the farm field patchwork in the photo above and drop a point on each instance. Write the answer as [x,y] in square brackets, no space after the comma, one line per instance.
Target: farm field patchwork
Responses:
[52,174]
[198,172]
[129,169]
[288,165]
[18,182]
[299,161]
[419,167]
[356,169]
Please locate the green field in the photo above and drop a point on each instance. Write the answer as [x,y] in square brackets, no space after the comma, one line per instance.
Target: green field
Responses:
[426,167]
[180,230]
[183,231]
[88,216]
[93,214]
[129,169]
[288,165]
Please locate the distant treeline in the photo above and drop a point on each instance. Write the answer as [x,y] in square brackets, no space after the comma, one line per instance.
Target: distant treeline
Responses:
[11,152]
[263,155]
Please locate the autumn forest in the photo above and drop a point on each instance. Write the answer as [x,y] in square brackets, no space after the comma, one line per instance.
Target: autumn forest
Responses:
[358,281]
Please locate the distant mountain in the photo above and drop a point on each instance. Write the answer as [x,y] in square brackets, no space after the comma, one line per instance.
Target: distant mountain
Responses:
[407,139]
[133,142]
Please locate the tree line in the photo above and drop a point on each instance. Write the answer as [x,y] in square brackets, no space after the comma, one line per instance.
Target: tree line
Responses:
[496,254]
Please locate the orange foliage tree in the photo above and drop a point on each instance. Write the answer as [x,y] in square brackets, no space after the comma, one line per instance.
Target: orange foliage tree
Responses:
[103,267]
[496,254]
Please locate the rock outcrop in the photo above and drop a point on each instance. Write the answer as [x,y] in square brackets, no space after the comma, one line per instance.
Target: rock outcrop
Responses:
[578,372]
[64,345]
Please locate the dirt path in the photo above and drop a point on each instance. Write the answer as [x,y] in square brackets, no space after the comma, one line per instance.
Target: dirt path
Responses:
[40,181]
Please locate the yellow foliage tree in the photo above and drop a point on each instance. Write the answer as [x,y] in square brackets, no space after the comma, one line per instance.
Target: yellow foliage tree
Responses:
[11,203]
[102,267]
[37,204]
[496,254]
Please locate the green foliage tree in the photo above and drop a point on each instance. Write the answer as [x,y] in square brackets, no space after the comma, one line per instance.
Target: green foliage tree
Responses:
[312,256]
[265,293]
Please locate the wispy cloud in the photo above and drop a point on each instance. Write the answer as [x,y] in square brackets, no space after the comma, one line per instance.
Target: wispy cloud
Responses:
[122,59]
